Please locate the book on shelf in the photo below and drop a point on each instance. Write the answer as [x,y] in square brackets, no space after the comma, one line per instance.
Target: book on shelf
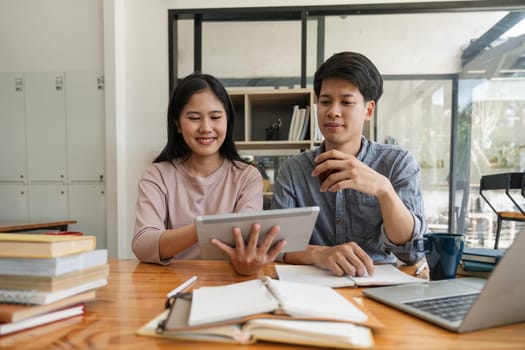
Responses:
[384,275]
[38,320]
[305,123]
[17,312]
[53,266]
[39,297]
[293,122]
[486,255]
[27,245]
[269,310]
[318,137]
[54,283]
[298,124]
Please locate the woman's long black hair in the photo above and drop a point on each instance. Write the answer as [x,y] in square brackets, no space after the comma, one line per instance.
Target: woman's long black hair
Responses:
[176,147]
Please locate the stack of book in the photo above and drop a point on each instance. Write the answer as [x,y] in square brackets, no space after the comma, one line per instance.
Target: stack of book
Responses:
[479,262]
[46,278]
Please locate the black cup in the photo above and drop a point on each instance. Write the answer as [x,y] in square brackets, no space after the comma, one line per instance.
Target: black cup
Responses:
[443,252]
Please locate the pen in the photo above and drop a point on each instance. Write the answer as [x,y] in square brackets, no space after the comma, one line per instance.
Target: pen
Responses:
[181,287]
[421,268]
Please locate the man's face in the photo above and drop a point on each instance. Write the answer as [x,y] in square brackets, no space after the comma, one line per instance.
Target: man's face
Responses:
[341,112]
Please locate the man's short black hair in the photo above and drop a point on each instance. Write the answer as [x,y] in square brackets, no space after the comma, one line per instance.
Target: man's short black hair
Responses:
[354,67]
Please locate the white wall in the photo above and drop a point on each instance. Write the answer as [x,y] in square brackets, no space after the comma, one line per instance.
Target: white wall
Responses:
[50,35]
[143,99]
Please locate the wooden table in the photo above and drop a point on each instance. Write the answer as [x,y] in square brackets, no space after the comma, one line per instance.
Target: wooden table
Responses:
[136,293]
[21,226]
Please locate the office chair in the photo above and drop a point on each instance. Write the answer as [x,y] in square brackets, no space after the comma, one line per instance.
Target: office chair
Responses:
[507,182]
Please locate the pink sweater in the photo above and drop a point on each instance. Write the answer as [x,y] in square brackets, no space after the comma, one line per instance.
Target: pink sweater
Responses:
[169,197]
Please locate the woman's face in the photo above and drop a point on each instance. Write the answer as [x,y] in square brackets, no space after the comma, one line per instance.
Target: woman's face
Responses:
[203,123]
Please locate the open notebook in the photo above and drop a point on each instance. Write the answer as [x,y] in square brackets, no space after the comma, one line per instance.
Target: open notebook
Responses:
[384,275]
[475,303]
[266,309]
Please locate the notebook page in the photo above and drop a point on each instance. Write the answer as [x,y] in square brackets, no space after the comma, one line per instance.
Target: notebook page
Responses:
[229,302]
[386,275]
[383,275]
[309,300]
[324,334]
[312,275]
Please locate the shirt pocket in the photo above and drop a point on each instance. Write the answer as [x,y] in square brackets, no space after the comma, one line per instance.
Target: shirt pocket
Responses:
[365,220]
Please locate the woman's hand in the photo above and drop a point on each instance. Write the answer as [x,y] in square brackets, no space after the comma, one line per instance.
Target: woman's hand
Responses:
[247,259]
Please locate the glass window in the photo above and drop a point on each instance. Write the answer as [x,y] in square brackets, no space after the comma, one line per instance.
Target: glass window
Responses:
[416,114]
[454,92]
[497,111]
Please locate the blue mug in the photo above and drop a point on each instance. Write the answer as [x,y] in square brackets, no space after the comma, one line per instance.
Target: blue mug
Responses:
[443,252]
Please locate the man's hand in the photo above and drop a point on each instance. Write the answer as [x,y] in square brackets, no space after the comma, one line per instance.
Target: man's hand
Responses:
[247,259]
[338,171]
[348,258]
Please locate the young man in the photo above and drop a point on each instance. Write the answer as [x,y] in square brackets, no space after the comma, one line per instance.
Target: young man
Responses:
[369,194]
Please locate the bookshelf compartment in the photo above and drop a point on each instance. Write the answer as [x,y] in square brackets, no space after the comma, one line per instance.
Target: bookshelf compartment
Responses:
[258,109]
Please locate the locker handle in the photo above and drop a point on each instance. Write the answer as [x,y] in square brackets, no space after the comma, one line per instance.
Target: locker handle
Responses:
[59,83]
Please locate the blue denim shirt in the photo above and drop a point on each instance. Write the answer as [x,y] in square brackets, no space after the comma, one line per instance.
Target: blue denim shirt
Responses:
[350,215]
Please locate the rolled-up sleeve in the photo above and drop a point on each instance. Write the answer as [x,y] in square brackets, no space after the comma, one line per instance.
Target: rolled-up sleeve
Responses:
[406,179]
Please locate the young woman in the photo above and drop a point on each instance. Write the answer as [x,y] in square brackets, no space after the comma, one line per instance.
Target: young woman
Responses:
[199,172]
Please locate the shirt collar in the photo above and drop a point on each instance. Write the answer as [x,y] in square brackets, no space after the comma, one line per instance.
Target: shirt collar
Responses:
[365,144]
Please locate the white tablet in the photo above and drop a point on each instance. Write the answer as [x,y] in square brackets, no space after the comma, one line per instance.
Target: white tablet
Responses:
[296,225]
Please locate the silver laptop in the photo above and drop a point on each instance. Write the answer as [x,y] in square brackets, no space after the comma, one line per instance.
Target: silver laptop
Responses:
[296,226]
[475,303]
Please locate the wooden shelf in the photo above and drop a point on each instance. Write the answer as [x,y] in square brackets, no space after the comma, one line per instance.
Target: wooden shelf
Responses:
[273,145]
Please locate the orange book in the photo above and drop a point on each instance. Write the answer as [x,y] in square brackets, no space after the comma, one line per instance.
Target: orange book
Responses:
[27,245]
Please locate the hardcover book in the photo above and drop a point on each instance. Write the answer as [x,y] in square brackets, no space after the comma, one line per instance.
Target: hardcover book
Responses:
[54,283]
[486,255]
[7,328]
[27,245]
[17,312]
[39,297]
[53,266]
[469,265]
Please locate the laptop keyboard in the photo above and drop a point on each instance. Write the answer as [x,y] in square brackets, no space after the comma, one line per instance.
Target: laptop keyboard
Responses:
[452,308]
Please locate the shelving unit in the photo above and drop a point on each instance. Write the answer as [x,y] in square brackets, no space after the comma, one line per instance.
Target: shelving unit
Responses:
[257,109]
